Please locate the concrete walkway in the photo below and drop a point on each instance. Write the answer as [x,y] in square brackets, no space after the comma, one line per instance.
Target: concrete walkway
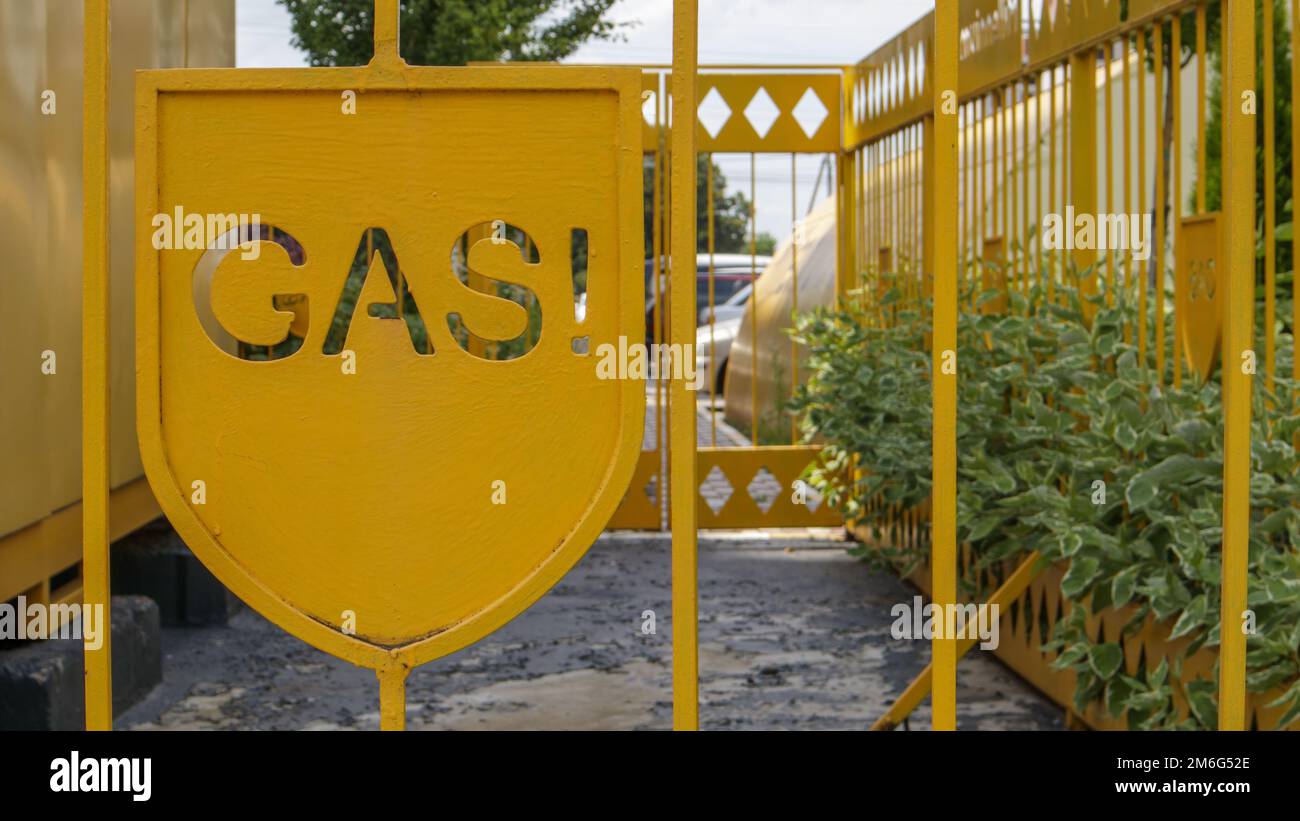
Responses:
[793,634]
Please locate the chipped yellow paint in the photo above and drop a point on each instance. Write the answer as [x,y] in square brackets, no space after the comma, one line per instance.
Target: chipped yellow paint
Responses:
[359,508]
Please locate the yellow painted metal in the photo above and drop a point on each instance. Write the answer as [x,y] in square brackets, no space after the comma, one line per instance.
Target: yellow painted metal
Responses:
[682,312]
[1110,166]
[367,527]
[796,236]
[1079,29]
[1127,154]
[755,414]
[1199,291]
[1202,100]
[640,508]
[1175,80]
[1012,588]
[885,112]
[52,545]
[95,310]
[1239,247]
[1270,198]
[1039,271]
[1083,157]
[1051,204]
[713,347]
[392,695]
[785,134]
[1295,163]
[773,507]
[927,211]
[944,552]
[41,218]
[1135,270]
[1157,261]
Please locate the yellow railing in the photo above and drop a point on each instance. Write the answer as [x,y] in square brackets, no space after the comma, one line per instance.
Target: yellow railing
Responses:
[1068,115]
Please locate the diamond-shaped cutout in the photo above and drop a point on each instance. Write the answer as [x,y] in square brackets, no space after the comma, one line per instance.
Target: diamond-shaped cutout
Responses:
[812,499]
[713,112]
[762,112]
[650,108]
[810,112]
[763,489]
[716,490]
[920,67]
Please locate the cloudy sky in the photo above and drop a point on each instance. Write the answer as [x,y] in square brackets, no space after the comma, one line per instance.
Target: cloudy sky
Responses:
[731,31]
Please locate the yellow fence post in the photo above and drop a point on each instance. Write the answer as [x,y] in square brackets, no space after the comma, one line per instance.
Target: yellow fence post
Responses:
[1083,158]
[681,320]
[1239,252]
[943,559]
[94,362]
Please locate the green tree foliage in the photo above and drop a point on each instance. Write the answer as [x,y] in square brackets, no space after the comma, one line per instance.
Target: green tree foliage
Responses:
[451,32]
[731,212]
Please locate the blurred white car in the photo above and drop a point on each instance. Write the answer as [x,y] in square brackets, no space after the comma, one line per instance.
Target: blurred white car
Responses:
[732,308]
[724,333]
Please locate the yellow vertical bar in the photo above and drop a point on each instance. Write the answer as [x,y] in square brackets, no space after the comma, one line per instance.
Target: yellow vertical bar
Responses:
[713,354]
[995,183]
[1202,95]
[927,208]
[1175,79]
[96,590]
[1038,180]
[943,557]
[386,31]
[656,270]
[686,703]
[1239,248]
[864,217]
[981,198]
[1007,179]
[1141,186]
[392,696]
[913,209]
[1270,198]
[1110,170]
[1051,178]
[892,219]
[1295,163]
[794,284]
[846,177]
[1158,201]
[1066,116]
[1024,188]
[963,185]
[753,302]
[1083,158]
[910,152]
[1128,175]
[872,222]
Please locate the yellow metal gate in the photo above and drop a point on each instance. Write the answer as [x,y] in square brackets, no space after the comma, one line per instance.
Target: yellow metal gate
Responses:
[747,477]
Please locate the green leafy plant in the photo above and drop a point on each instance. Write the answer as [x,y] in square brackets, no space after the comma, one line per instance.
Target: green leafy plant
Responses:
[1049,406]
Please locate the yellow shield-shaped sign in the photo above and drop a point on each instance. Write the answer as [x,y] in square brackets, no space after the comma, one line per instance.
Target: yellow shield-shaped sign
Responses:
[382,487]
